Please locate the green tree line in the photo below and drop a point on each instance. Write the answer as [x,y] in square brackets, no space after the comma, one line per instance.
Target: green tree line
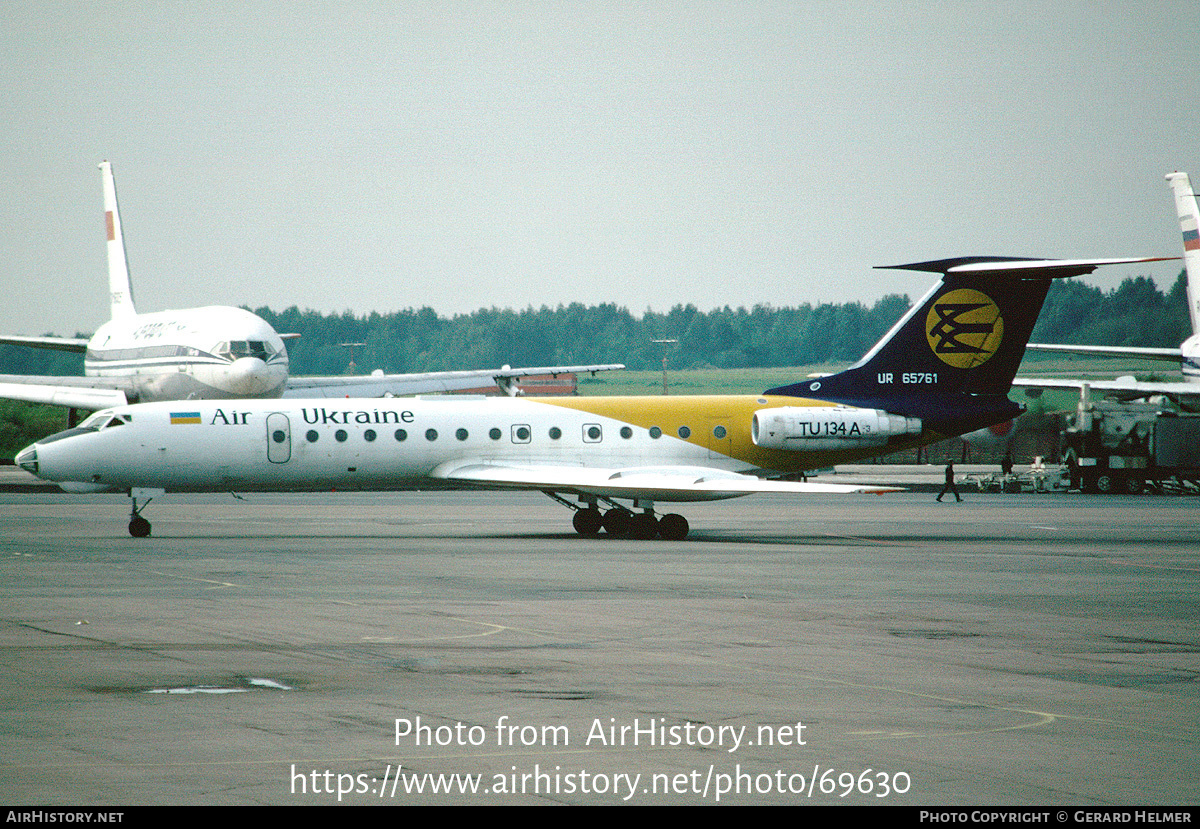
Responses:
[1136,313]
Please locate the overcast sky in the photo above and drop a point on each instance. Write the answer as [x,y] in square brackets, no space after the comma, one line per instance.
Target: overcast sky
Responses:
[377,156]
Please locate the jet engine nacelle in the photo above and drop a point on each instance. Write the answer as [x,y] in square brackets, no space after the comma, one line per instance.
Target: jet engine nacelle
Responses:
[798,428]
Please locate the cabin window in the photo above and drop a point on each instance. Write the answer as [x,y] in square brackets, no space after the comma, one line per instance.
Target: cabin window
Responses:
[311,436]
[495,433]
[401,435]
[626,432]
[685,432]
[340,435]
[655,432]
[555,433]
[461,434]
[719,432]
[592,433]
[431,434]
[369,435]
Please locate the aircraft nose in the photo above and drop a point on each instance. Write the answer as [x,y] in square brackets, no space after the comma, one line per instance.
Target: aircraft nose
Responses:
[250,376]
[27,459]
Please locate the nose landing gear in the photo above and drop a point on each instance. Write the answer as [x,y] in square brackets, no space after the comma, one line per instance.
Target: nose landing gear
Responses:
[139,527]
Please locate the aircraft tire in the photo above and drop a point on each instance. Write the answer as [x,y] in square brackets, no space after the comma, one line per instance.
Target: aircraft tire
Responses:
[644,526]
[673,527]
[617,522]
[139,527]
[588,521]
[1106,484]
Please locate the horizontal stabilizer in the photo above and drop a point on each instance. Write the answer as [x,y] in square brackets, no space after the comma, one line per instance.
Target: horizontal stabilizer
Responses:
[1014,266]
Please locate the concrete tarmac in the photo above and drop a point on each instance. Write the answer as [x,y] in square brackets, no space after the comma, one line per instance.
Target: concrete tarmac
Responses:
[1012,650]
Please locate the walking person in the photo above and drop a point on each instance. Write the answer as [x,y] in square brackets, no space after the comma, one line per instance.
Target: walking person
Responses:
[949,485]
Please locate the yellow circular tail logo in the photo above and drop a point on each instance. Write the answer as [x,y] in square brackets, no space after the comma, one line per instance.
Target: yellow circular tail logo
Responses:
[964,328]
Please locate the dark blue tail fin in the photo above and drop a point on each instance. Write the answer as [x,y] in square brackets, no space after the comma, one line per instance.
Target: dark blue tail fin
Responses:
[951,359]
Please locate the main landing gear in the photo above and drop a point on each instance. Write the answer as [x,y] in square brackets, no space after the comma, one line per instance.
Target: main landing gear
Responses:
[620,522]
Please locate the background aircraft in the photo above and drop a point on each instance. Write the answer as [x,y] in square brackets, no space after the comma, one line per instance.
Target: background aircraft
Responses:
[1187,355]
[215,352]
[944,369]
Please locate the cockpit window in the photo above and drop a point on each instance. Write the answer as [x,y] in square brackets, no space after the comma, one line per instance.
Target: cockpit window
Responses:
[78,430]
[236,349]
[102,420]
[96,421]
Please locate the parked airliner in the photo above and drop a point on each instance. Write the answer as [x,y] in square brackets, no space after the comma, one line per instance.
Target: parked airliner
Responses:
[1187,355]
[216,352]
[944,369]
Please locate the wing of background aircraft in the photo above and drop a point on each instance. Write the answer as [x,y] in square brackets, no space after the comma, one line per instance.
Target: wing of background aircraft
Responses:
[56,343]
[1122,388]
[89,393]
[94,393]
[430,382]
[1169,354]
[74,392]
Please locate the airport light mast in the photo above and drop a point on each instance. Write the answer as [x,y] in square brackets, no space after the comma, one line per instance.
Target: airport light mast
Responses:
[664,343]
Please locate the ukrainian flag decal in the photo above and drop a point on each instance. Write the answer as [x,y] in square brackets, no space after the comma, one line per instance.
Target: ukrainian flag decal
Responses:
[178,418]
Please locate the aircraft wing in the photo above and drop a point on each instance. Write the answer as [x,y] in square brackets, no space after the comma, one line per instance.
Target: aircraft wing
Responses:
[90,393]
[663,483]
[1122,388]
[56,343]
[1172,354]
[431,382]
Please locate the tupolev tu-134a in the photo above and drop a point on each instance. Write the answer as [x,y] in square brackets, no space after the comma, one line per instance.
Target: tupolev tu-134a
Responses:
[944,369]
[213,352]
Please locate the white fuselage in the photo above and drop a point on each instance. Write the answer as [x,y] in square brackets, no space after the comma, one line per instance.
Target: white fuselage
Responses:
[404,443]
[354,443]
[212,352]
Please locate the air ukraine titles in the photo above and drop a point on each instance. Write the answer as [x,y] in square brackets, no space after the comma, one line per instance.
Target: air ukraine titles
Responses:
[311,416]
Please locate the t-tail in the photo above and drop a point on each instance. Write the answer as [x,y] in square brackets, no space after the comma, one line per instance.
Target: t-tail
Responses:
[1189,223]
[950,361]
[119,287]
